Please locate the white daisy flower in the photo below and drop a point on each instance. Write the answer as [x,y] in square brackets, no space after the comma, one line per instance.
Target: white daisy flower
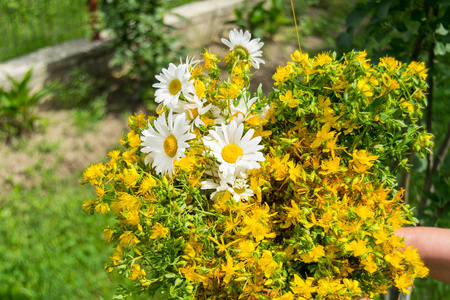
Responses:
[240,190]
[246,48]
[235,184]
[232,149]
[190,62]
[241,112]
[173,82]
[166,142]
[195,109]
[218,115]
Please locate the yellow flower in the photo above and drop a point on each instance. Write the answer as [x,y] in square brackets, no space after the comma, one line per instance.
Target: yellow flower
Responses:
[130,177]
[292,102]
[364,212]
[329,117]
[282,74]
[229,269]
[407,106]
[108,234]
[189,251]
[159,231]
[132,218]
[137,272]
[361,57]
[94,174]
[328,285]
[130,157]
[294,215]
[103,208]
[125,202]
[256,229]
[190,274]
[369,265]
[380,235]
[394,260]
[268,264]
[247,248]
[389,83]
[146,184]
[298,56]
[288,296]
[352,285]
[303,287]
[417,68]
[391,64]
[114,155]
[128,238]
[88,205]
[210,60]
[314,254]
[362,160]
[323,135]
[117,256]
[365,88]
[322,59]
[133,139]
[330,165]
[200,88]
[137,120]
[403,282]
[207,121]
[357,247]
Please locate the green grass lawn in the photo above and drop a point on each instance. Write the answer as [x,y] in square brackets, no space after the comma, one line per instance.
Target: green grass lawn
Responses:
[28,25]
[50,248]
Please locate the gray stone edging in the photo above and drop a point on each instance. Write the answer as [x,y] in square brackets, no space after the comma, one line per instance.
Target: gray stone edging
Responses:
[196,23]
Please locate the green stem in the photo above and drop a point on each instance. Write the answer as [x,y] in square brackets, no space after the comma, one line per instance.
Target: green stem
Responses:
[358,138]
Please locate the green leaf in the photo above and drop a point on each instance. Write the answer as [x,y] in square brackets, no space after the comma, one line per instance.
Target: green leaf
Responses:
[441,30]
[440,48]
[345,40]
[355,18]
[383,9]
[384,117]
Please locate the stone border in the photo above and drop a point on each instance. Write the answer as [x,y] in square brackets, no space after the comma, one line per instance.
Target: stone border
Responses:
[197,23]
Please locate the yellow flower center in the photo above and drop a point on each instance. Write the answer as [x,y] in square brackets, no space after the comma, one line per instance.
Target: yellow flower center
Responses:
[170,145]
[175,86]
[241,52]
[231,152]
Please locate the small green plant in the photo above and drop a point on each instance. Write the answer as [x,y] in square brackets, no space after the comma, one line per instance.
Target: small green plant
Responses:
[144,44]
[17,107]
[263,20]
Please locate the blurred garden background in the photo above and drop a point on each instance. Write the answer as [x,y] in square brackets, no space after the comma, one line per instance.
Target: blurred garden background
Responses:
[49,247]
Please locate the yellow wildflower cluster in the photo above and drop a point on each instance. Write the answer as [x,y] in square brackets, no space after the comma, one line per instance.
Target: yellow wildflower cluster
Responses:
[232,195]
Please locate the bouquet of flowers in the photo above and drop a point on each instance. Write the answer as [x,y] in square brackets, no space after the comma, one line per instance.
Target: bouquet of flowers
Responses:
[229,194]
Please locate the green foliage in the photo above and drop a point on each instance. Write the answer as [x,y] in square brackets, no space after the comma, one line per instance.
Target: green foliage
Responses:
[261,19]
[400,28]
[413,30]
[17,107]
[29,25]
[427,288]
[144,44]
